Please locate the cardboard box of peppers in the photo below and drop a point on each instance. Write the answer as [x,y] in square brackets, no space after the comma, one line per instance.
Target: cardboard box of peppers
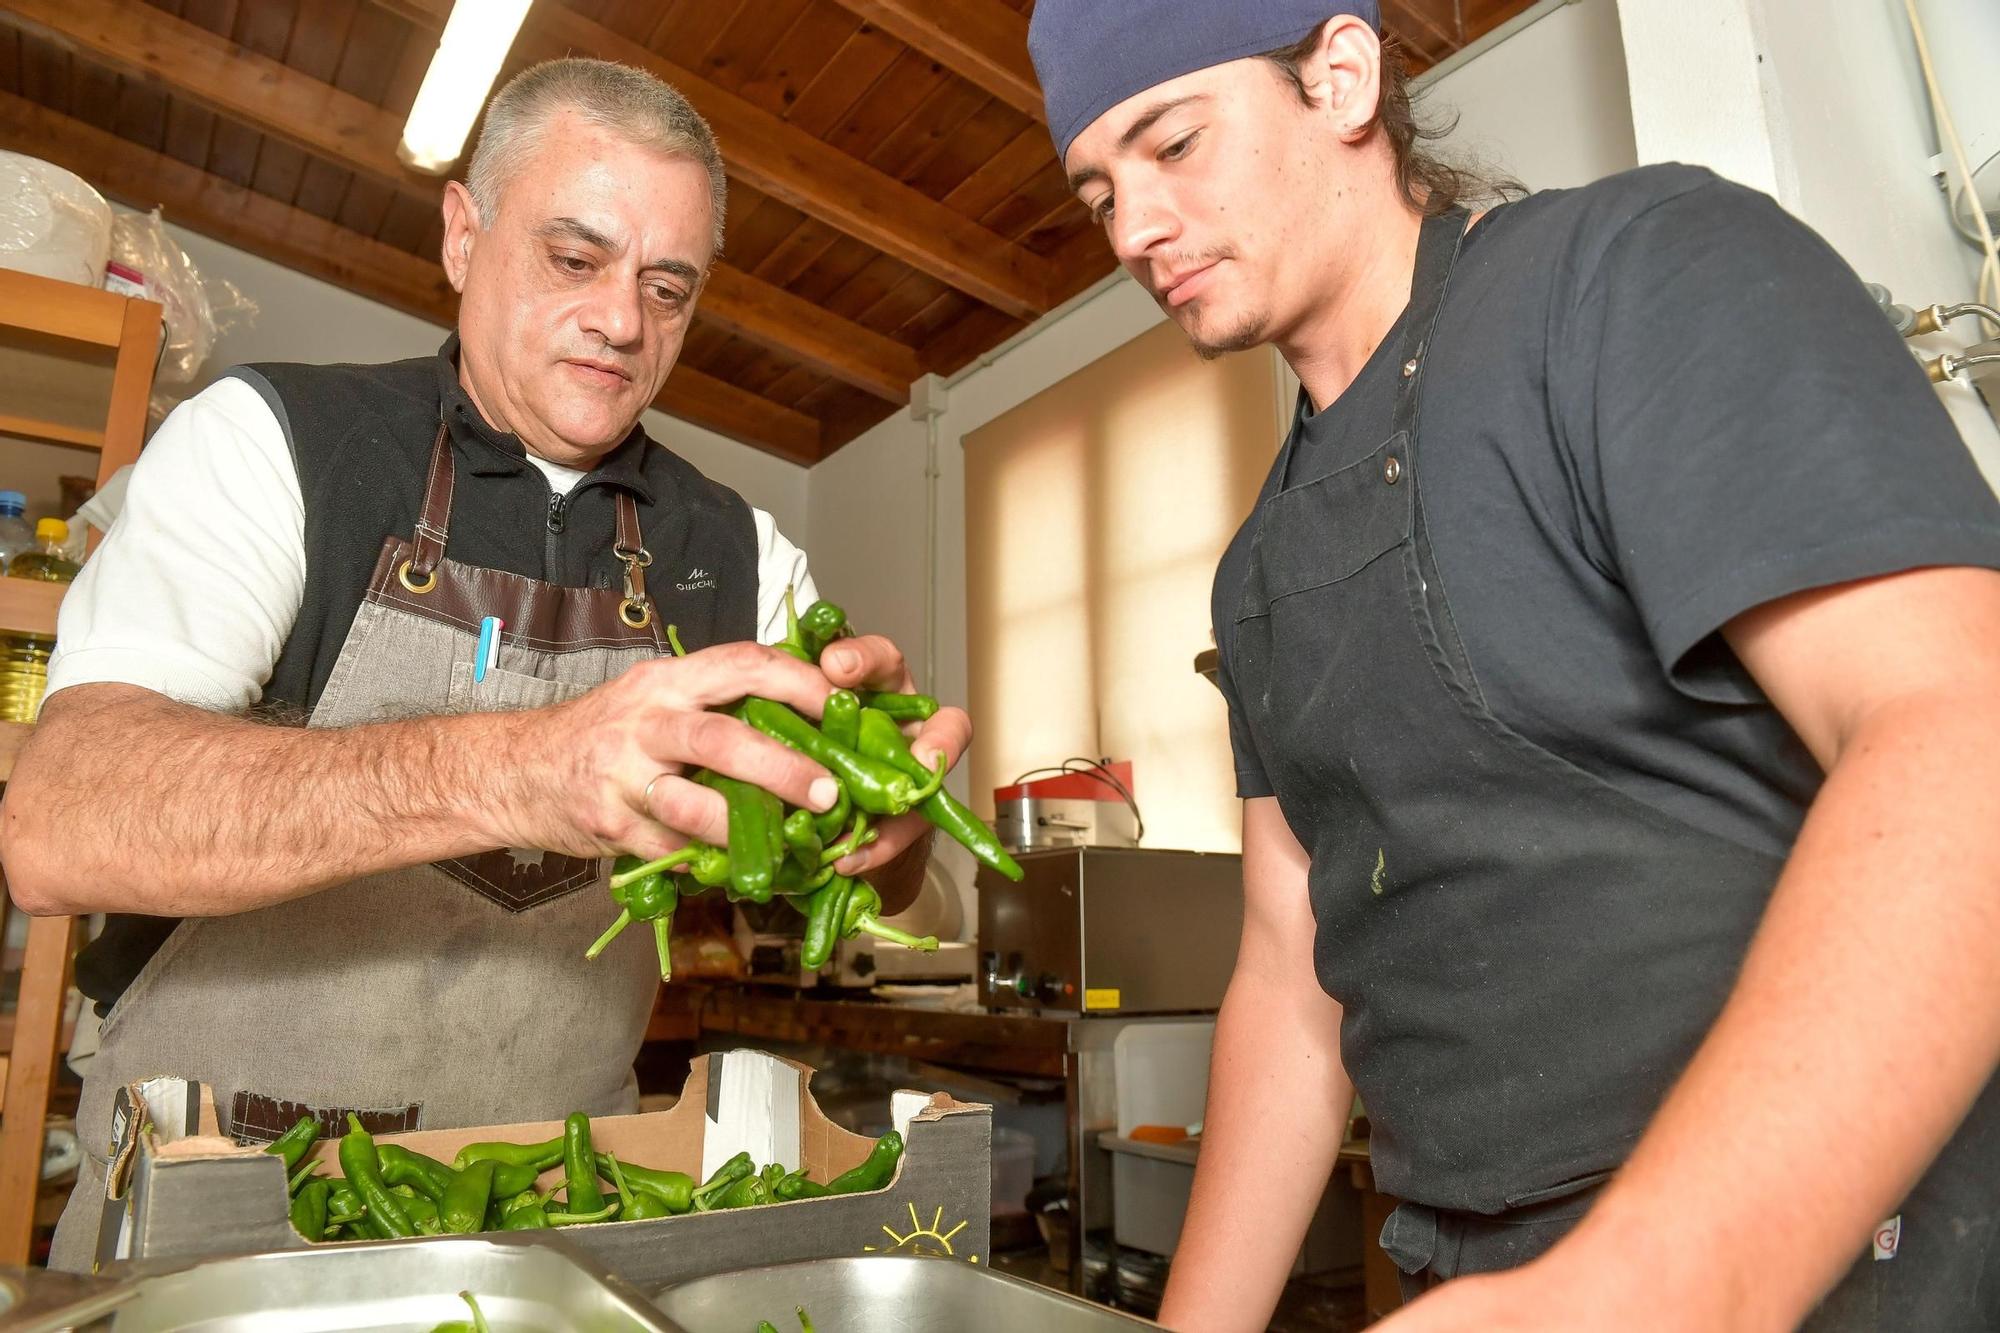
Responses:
[791,852]
[387,1191]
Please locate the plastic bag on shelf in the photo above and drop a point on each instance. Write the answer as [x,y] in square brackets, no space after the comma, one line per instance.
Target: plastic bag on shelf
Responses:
[51,222]
[147,261]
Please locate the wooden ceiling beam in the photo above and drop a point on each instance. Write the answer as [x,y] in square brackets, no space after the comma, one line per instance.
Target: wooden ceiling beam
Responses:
[299,240]
[777,158]
[354,133]
[981,41]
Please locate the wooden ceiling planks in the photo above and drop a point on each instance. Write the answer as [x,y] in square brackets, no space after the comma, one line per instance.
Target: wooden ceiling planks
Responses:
[985,41]
[896,206]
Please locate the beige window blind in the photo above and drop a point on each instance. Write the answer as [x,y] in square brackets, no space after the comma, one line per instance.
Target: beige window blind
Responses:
[1095,514]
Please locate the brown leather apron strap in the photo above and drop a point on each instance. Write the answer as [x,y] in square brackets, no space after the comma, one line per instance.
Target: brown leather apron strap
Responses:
[637,609]
[419,572]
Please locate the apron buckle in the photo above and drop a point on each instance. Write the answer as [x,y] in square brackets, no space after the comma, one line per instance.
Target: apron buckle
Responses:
[637,608]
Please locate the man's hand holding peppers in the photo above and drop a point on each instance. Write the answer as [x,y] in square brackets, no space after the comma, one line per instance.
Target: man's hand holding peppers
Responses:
[611,770]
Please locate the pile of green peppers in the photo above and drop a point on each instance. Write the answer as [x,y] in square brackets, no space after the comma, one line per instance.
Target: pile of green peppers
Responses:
[773,850]
[386,1191]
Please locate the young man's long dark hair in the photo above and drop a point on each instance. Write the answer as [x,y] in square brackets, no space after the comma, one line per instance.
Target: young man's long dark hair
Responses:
[1428,183]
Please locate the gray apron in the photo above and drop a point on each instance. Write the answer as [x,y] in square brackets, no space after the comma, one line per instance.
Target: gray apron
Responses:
[453,993]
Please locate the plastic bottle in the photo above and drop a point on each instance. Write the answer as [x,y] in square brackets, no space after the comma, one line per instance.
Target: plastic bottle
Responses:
[15,534]
[46,561]
[24,663]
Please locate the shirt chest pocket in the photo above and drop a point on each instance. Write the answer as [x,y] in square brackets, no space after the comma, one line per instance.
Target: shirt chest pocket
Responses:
[1327,530]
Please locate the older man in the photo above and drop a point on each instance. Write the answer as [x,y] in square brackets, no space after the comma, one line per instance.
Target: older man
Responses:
[316,919]
[1613,661]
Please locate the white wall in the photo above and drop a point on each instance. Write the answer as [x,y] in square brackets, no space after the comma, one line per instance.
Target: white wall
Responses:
[1547,104]
[1823,107]
[303,319]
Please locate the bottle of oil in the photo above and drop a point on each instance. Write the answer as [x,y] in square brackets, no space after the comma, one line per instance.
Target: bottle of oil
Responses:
[24,658]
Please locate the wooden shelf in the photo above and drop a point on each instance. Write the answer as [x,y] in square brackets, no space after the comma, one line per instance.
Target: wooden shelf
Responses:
[78,368]
[63,309]
[28,606]
[53,432]
[63,1038]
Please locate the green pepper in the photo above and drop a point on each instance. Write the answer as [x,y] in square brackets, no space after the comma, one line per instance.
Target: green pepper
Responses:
[563,1217]
[766,1326]
[637,1205]
[876,787]
[794,642]
[805,1320]
[802,839]
[726,1175]
[864,907]
[663,945]
[463,1207]
[423,1214]
[510,1178]
[580,1166]
[428,1176]
[541,1156]
[857,837]
[875,1171]
[477,1324]
[295,1143]
[343,1204]
[840,719]
[826,914]
[309,1210]
[675,1189]
[358,1162]
[772,1174]
[524,1212]
[651,898]
[903,707]
[748,1192]
[798,1185]
[301,1176]
[822,623]
[752,863]
[883,740]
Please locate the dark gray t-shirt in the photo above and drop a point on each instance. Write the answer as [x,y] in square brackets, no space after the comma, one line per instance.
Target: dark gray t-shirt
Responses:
[1652,404]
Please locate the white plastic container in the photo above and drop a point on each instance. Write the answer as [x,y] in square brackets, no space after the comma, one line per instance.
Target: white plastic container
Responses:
[1162,1073]
[52,223]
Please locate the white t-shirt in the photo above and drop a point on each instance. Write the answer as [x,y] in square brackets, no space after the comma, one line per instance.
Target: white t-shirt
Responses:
[194,590]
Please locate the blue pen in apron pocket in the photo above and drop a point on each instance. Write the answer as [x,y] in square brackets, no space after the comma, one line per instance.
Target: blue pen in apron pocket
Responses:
[487,655]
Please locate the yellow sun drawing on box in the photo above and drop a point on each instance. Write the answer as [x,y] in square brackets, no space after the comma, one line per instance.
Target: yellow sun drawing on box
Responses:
[923,1238]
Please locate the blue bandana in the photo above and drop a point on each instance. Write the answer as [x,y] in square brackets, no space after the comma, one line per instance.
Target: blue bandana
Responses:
[1093,54]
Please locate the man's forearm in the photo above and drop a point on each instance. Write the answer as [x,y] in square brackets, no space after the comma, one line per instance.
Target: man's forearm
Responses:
[1857,1037]
[127,801]
[1277,1093]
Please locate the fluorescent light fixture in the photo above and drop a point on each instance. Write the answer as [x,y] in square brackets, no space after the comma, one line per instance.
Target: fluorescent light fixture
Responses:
[474,42]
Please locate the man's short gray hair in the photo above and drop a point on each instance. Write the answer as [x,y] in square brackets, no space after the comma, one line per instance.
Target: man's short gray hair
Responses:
[627,101]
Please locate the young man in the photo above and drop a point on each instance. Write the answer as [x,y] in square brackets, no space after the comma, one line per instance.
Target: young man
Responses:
[1613,662]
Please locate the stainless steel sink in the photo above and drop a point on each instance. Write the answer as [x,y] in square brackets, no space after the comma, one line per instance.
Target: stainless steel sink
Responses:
[380,1287]
[883,1294]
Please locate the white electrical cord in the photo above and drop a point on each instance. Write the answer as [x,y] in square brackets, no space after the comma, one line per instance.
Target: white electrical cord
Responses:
[1989,269]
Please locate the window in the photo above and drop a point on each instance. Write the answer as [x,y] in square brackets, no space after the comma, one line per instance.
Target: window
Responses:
[1095,514]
